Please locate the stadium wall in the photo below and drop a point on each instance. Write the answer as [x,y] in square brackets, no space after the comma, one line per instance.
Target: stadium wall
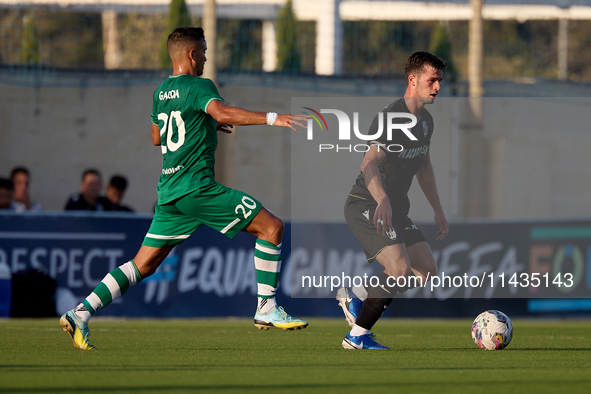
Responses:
[58,123]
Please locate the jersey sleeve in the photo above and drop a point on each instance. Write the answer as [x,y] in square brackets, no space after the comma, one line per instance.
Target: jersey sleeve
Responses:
[154,111]
[432,127]
[205,93]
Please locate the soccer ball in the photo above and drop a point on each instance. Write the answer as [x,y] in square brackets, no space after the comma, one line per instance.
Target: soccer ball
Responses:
[492,330]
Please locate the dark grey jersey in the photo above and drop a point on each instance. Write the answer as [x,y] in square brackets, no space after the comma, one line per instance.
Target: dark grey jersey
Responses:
[403,157]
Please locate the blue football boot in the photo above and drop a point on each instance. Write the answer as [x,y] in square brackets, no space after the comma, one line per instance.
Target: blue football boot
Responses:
[362,342]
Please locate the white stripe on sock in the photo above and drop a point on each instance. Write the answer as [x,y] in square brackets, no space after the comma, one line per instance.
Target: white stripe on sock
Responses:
[129,270]
[266,265]
[113,286]
[267,304]
[265,290]
[94,301]
[268,250]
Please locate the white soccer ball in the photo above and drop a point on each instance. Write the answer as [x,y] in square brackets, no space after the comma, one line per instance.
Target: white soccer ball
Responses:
[492,330]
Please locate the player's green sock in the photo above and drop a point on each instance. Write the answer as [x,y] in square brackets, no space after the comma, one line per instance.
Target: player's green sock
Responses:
[267,261]
[114,284]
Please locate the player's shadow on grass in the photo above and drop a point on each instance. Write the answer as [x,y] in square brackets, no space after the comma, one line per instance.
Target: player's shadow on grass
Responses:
[210,388]
[546,349]
[508,349]
[143,368]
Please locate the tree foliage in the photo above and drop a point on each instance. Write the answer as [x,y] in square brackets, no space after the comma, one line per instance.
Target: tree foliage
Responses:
[178,16]
[288,55]
[441,46]
[29,54]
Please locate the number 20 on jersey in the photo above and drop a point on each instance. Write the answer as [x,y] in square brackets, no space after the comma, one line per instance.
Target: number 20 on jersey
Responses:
[175,117]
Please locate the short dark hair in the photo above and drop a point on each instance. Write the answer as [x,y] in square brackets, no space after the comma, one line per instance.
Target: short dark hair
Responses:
[184,35]
[416,62]
[118,182]
[6,184]
[91,171]
[16,170]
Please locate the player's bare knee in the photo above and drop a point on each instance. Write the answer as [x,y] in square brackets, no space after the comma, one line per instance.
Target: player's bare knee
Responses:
[145,271]
[406,271]
[400,268]
[146,268]
[150,270]
[274,230]
[431,269]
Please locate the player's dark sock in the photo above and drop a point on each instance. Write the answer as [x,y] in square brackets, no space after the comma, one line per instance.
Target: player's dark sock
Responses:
[387,287]
[371,312]
[391,287]
[379,298]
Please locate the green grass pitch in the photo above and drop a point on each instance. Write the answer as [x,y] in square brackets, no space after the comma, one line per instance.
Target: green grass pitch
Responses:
[231,356]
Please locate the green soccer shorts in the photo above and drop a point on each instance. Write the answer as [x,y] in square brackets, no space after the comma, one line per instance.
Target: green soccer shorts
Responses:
[217,206]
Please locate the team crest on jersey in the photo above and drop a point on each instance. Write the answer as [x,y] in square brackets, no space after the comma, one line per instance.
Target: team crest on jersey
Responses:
[391,233]
[425,127]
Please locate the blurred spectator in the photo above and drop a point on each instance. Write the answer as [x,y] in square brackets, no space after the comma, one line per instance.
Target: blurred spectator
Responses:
[21,200]
[6,191]
[115,191]
[89,198]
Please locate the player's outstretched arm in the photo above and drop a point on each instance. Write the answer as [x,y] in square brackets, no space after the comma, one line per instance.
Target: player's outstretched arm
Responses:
[426,178]
[241,117]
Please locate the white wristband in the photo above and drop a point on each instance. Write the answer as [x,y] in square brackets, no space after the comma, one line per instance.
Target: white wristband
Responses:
[271,118]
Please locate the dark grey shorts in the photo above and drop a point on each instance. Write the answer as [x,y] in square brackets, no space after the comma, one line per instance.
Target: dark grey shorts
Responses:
[359,215]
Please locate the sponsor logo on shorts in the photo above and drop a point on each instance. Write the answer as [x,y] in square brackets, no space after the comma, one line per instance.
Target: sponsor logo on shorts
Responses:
[366,214]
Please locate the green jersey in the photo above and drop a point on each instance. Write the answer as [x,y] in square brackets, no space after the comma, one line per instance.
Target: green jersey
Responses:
[188,135]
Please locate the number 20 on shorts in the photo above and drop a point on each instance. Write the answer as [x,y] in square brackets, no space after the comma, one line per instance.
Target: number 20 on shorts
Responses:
[247,202]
